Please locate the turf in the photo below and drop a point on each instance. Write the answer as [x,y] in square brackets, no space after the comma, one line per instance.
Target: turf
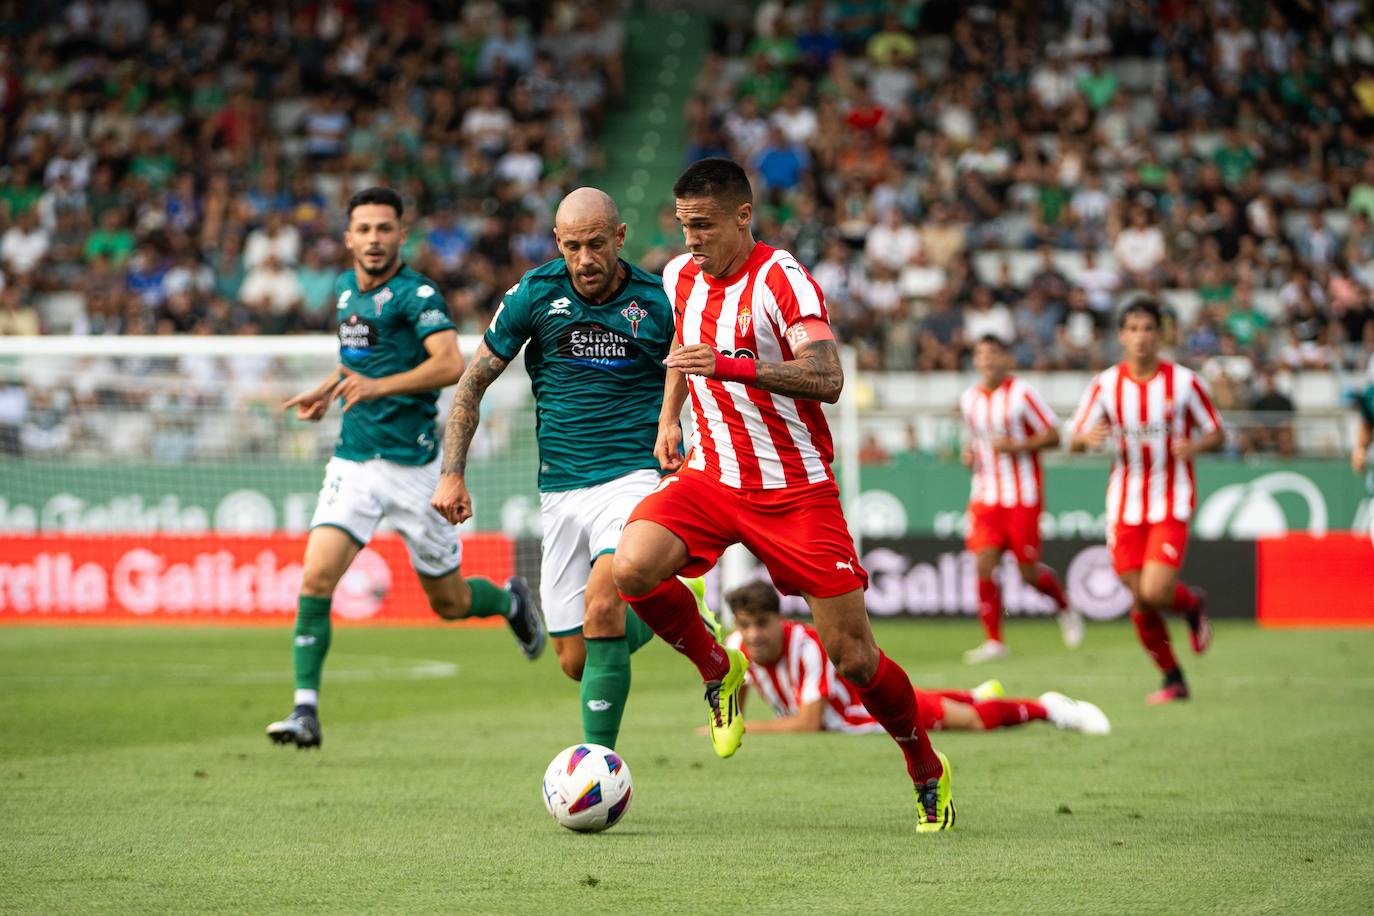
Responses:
[134,776]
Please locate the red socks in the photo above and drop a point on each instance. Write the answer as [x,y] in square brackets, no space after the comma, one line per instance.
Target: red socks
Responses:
[990,609]
[670,610]
[1185,601]
[1047,584]
[1002,713]
[1154,636]
[890,699]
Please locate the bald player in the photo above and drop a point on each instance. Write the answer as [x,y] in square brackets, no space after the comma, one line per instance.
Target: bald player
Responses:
[595,331]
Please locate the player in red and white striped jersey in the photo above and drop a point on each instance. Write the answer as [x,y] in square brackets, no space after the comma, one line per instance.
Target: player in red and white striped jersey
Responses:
[1153,416]
[755,351]
[788,668]
[1008,426]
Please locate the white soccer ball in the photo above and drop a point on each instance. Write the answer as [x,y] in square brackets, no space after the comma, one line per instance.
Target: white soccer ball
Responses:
[587,788]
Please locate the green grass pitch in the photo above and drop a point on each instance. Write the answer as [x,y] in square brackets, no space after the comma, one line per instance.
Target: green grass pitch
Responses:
[135,777]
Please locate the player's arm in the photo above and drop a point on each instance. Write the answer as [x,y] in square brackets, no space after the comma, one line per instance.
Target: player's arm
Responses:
[668,444]
[1035,442]
[1359,458]
[441,368]
[1090,427]
[807,719]
[1205,418]
[451,498]
[814,373]
[1185,449]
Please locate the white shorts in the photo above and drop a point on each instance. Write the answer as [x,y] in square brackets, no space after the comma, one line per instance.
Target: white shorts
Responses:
[579,526]
[357,494]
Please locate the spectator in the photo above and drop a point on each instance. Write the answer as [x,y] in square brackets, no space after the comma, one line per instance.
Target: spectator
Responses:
[1272,430]
[893,243]
[16,318]
[24,246]
[275,238]
[941,335]
[1139,250]
[985,316]
[273,295]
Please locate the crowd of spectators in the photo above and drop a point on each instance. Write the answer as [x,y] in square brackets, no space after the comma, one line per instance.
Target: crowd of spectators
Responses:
[951,170]
[164,170]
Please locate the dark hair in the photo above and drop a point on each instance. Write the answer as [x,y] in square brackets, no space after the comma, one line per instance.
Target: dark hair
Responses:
[1143,305]
[993,339]
[721,180]
[377,195]
[755,597]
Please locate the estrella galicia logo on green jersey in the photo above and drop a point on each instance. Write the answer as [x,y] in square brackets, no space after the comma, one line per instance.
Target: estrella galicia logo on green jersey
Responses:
[591,345]
[356,337]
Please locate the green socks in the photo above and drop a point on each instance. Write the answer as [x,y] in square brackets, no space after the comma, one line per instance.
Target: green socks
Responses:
[488,598]
[605,687]
[637,632]
[310,646]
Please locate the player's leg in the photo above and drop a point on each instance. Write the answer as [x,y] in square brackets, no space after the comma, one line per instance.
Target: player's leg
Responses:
[436,553]
[1024,543]
[1153,633]
[1162,587]
[346,514]
[565,562]
[606,678]
[985,561]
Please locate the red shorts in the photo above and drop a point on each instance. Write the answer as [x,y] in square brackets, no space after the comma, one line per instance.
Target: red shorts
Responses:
[1133,546]
[1014,528]
[798,533]
[931,708]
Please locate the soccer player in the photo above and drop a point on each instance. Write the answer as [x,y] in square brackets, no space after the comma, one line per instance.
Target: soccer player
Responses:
[787,665]
[397,348]
[1008,426]
[754,346]
[598,330]
[1155,416]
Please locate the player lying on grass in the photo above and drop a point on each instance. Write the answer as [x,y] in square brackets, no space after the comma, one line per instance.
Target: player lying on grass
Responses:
[788,666]
[397,349]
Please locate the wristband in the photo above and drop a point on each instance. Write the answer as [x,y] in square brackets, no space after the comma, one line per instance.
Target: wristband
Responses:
[736,369]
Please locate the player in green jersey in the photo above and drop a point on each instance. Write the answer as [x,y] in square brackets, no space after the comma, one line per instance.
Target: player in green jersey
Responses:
[1364,433]
[397,349]
[595,331]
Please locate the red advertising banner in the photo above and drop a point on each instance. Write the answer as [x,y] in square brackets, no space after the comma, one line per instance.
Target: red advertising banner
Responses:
[1309,581]
[213,578]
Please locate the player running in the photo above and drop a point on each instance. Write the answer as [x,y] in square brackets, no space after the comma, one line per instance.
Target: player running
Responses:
[397,348]
[1155,416]
[598,329]
[754,347]
[1009,424]
[787,665]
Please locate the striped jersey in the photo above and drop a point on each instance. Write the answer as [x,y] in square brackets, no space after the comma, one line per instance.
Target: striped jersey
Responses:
[746,437]
[1013,410]
[804,674]
[1148,484]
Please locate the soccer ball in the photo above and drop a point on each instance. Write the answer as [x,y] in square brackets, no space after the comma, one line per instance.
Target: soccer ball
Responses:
[587,788]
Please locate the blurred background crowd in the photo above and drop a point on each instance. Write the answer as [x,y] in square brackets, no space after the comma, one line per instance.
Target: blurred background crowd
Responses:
[945,169]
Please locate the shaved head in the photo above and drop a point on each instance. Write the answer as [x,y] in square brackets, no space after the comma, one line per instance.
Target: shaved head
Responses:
[589,234]
[587,205]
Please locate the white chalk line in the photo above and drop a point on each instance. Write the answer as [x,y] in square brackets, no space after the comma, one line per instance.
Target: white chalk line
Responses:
[391,669]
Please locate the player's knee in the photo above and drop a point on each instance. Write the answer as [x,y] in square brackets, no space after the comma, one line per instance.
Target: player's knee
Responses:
[319,582]
[634,575]
[572,664]
[605,615]
[450,607]
[1156,597]
[1030,572]
[855,659]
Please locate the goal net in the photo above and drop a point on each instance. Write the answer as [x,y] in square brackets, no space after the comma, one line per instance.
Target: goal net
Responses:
[157,479]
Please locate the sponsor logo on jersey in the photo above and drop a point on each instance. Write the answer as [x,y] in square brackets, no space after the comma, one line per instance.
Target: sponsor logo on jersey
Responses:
[634,315]
[344,297]
[742,322]
[742,353]
[425,291]
[382,298]
[431,317]
[591,345]
[561,306]
[357,336]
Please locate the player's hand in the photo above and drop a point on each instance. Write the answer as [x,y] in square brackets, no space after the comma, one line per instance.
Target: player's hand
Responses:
[452,500]
[698,359]
[966,456]
[310,405]
[1098,435]
[1004,445]
[668,446]
[1359,459]
[1183,449]
[353,388]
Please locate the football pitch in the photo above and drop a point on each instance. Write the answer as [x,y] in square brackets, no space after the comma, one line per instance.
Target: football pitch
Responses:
[135,777]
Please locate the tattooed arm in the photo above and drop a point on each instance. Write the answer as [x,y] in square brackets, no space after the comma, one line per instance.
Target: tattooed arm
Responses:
[814,373]
[451,499]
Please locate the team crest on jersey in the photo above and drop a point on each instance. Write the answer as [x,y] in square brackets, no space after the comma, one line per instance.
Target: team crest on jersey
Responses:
[634,315]
[382,299]
[742,322]
[344,297]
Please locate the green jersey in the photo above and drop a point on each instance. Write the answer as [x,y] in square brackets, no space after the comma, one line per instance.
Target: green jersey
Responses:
[382,332]
[596,371]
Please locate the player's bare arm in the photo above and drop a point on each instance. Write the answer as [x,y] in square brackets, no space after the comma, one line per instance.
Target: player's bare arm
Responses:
[814,374]
[807,719]
[451,498]
[668,445]
[1185,449]
[313,403]
[1038,442]
[441,369]
[1359,457]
